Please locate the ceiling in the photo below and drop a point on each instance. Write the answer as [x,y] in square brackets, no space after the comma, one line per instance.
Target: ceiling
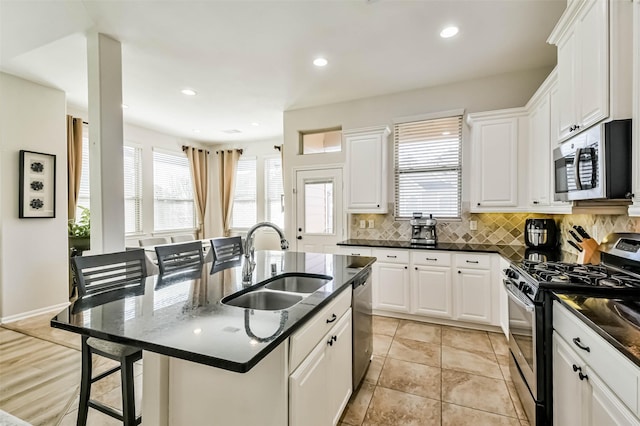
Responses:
[251,60]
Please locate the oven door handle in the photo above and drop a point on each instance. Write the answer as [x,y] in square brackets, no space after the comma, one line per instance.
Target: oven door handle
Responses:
[517,298]
[576,168]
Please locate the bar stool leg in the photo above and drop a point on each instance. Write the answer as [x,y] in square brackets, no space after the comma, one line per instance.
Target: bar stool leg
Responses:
[85,384]
[128,395]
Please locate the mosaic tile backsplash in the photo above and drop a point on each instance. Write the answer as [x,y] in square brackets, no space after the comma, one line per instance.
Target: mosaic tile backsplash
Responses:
[493,228]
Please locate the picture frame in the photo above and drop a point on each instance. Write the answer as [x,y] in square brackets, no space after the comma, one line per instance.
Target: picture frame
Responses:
[37,195]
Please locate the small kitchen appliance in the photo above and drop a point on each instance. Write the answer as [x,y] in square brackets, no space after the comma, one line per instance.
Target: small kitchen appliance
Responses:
[423,230]
[530,285]
[541,233]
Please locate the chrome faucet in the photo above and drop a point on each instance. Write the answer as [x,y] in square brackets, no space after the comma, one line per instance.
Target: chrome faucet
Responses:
[249,262]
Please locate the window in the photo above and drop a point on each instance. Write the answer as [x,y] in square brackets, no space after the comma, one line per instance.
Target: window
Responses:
[428,167]
[274,190]
[244,199]
[84,199]
[318,207]
[320,141]
[132,190]
[173,203]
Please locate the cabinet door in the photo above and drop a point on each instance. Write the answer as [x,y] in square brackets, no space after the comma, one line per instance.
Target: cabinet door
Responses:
[568,398]
[539,156]
[339,367]
[433,293]
[473,296]
[593,82]
[366,171]
[391,287]
[495,165]
[605,408]
[567,115]
[308,393]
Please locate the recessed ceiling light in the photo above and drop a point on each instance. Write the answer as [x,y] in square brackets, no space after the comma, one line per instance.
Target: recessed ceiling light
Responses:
[449,32]
[255,124]
[320,62]
[125,106]
[197,331]
[232,131]
[188,92]
[196,130]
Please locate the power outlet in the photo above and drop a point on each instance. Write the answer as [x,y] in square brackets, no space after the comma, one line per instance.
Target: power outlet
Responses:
[371,224]
[362,224]
[473,225]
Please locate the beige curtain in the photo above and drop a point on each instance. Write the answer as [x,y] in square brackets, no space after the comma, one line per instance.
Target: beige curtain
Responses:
[227,165]
[74,163]
[199,165]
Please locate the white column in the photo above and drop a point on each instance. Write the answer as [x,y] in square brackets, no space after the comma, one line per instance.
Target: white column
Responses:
[106,143]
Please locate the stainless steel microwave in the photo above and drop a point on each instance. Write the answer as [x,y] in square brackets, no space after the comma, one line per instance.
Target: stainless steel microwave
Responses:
[595,164]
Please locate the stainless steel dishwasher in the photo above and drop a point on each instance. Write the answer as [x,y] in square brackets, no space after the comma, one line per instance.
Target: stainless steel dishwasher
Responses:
[362,326]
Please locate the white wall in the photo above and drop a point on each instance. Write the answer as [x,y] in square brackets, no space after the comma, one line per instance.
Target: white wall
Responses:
[33,252]
[485,94]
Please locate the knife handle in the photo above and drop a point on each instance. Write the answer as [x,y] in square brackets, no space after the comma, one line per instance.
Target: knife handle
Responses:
[576,246]
[581,231]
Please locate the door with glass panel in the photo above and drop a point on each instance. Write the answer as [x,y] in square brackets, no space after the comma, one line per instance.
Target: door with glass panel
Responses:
[319,212]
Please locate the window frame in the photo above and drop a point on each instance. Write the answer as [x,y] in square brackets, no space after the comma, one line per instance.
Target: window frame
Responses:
[266,188]
[457,168]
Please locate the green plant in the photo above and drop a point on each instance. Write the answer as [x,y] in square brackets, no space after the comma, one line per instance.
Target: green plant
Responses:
[81,228]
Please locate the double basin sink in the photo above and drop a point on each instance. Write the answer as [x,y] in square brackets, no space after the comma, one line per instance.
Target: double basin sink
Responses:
[279,292]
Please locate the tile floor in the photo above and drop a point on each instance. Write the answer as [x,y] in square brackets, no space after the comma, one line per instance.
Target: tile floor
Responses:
[421,374]
[425,374]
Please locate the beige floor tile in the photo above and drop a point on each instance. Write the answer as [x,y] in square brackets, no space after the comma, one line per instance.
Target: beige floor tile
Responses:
[499,344]
[358,405]
[516,401]
[456,415]
[524,422]
[410,377]
[392,408]
[385,325]
[373,372]
[466,339]
[415,351]
[506,373]
[381,344]
[473,391]
[423,332]
[481,363]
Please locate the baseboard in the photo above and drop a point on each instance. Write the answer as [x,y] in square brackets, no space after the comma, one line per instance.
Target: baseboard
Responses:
[439,321]
[25,315]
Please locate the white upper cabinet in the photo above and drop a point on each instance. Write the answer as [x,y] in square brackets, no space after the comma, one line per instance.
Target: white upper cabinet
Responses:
[594,65]
[366,169]
[496,140]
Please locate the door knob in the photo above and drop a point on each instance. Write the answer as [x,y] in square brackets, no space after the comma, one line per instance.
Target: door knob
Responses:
[299,237]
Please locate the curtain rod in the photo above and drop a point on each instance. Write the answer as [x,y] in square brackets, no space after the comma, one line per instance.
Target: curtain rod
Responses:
[278,147]
[229,150]
[184,148]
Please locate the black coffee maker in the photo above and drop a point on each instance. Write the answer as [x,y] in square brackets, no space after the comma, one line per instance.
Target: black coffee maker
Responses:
[541,238]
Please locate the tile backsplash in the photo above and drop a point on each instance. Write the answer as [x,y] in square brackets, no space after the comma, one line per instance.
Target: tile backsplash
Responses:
[493,228]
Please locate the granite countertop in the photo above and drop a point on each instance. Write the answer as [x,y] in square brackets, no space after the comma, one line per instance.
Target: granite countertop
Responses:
[511,253]
[616,320]
[182,317]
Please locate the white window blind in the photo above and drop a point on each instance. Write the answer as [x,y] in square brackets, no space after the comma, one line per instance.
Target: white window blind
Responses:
[132,190]
[173,204]
[244,199]
[84,200]
[428,167]
[274,190]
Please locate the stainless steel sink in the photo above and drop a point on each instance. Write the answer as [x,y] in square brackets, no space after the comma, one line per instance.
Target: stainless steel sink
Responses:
[264,300]
[298,283]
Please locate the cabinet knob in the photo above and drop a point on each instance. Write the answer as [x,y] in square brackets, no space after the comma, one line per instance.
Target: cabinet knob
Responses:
[299,237]
[576,128]
[459,272]
[578,343]
[576,368]
[583,376]
[478,203]
[333,318]
[415,267]
[378,205]
[406,267]
[536,202]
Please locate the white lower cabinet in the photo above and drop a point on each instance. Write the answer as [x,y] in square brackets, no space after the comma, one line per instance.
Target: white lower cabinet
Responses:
[391,286]
[473,295]
[433,291]
[320,387]
[591,387]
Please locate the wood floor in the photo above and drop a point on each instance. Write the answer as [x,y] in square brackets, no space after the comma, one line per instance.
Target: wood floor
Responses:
[40,375]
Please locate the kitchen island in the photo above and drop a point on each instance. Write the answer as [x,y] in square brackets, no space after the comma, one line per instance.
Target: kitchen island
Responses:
[185,330]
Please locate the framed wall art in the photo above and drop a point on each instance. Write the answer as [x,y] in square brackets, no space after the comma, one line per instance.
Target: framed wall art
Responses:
[37,185]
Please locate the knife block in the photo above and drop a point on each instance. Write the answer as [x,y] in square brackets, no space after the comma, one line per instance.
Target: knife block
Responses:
[590,253]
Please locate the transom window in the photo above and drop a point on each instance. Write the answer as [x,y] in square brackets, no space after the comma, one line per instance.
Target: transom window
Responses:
[428,167]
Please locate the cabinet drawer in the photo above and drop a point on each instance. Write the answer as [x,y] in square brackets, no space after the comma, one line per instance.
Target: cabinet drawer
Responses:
[620,375]
[303,341]
[354,251]
[473,261]
[431,258]
[391,256]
